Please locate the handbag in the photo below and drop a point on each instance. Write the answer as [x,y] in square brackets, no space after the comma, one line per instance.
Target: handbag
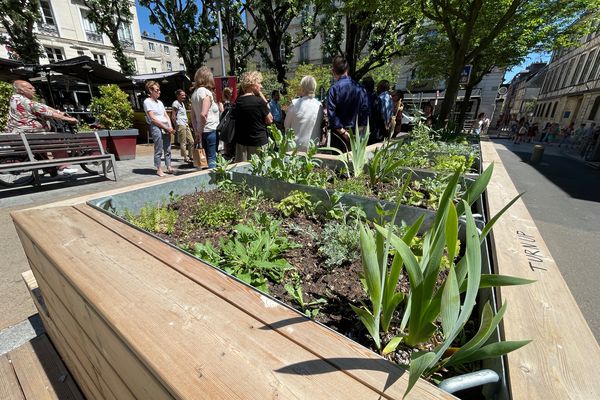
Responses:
[226,127]
[200,160]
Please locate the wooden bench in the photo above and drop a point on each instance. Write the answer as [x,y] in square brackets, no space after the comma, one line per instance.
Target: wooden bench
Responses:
[26,152]
[35,371]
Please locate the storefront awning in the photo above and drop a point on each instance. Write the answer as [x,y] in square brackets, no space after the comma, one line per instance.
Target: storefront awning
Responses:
[85,68]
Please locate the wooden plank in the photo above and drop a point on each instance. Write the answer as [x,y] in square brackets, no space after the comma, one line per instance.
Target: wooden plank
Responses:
[93,371]
[41,373]
[99,262]
[9,384]
[558,364]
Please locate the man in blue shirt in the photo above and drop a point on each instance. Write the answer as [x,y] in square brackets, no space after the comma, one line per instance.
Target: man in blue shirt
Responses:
[275,108]
[346,101]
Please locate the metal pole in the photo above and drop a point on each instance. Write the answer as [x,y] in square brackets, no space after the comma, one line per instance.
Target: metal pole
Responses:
[221,41]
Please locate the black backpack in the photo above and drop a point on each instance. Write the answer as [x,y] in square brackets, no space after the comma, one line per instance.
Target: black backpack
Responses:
[226,127]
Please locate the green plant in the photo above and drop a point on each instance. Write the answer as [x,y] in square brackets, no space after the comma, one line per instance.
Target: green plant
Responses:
[112,109]
[384,164]
[339,243]
[6,91]
[295,202]
[221,171]
[159,219]
[357,157]
[451,303]
[281,160]
[352,185]
[310,308]
[452,162]
[217,213]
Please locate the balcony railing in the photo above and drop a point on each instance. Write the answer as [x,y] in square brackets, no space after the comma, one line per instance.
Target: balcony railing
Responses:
[47,29]
[126,43]
[93,37]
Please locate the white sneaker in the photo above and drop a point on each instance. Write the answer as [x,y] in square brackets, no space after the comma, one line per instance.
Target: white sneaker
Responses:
[68,171]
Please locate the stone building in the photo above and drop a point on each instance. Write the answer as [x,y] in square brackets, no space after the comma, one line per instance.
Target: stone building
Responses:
[523,91]
[161,55]
[571,88]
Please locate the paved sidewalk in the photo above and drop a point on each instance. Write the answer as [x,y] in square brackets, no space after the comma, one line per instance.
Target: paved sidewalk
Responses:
[15,304]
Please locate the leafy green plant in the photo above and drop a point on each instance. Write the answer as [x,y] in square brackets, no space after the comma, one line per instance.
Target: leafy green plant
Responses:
[355,160]
[281,160]
[384,164]
[159,219]
[216,214]
[452,162]
[353,185]
[339,243]
[310,308]
[451,303]
[221,171]
[6,91]
[296,202]
[112,109]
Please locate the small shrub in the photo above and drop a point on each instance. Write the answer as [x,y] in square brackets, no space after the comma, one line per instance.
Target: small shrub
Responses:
[216,214]
[357,186]
[154,219]
[112,109]
[6,91]
[339,244]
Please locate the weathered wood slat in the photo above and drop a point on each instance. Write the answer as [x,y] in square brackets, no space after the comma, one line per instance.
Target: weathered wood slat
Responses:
[560,362]
[182,330]
[41,373]
[374,372]
[9,384]
[88,359]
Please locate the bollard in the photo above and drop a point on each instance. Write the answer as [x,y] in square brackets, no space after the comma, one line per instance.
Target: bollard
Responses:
[537,153]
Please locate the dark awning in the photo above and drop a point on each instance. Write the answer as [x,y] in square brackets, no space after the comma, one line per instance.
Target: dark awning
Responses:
[11,70]
[84,67]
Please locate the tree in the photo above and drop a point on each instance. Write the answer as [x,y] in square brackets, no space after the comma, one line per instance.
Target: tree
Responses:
[472,26]
[239,42]
[273,19]
[373,32]
[190,25]
[110,17]
[321,73]
[18,18]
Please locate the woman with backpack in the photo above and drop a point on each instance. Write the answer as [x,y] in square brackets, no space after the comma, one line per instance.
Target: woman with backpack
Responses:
[205,114]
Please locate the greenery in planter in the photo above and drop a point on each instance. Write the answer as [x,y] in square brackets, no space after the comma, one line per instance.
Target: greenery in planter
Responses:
[6,90]
[159,219]
[112,109]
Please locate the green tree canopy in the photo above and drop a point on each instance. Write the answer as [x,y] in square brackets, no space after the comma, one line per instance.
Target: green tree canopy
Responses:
[191,26]
[18,18]
[373,32]
[473,26]
[110,16]
[273,20]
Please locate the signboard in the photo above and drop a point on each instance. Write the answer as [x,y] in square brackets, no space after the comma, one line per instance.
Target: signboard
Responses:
[221,83]
[465,75]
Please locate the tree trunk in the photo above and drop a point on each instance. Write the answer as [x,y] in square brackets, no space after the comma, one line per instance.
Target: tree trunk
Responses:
[460,121]
[452,87]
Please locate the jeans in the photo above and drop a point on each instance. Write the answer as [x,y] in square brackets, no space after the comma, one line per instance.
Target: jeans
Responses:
[210,142]
[162,144]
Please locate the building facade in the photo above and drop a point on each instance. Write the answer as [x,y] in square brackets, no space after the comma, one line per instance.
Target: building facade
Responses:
[65,32]
[570,92]
[523,92]
[160,55]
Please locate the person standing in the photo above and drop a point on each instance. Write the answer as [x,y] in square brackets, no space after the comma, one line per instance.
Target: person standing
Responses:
[305,114]
[275,109]
[26,115]
[160,127]
[252,115]
[205,114]
[396,124]
[385,110]
[180,121]
[346,100]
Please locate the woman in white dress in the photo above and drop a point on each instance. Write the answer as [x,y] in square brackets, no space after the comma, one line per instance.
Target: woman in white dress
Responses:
[305,114]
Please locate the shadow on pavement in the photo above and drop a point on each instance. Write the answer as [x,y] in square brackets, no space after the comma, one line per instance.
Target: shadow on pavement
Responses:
[570,174]
[49,184]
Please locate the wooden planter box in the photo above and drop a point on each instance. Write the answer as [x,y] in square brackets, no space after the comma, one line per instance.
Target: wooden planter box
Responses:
[140,319]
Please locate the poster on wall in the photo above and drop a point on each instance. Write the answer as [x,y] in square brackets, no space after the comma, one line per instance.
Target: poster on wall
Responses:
[221,83]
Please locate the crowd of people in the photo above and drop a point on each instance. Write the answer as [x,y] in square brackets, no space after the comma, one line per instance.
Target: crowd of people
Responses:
[326,123]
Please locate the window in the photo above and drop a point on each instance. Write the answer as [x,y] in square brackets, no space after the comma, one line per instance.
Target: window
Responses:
[54,54]
[554,110]
[304,52]
[595,68]
[80,53]
[151,46]
[542,108]
[181,67]
[548,110]
[167,51]
[125,36]
[92,33]
[99,58]
[169,66]
[578,69]
[153,70]
[594,109]
[568,72]
[586,69]
[46,16]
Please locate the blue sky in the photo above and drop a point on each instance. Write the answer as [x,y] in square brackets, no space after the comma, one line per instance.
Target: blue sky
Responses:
[531,58]
[143,17]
